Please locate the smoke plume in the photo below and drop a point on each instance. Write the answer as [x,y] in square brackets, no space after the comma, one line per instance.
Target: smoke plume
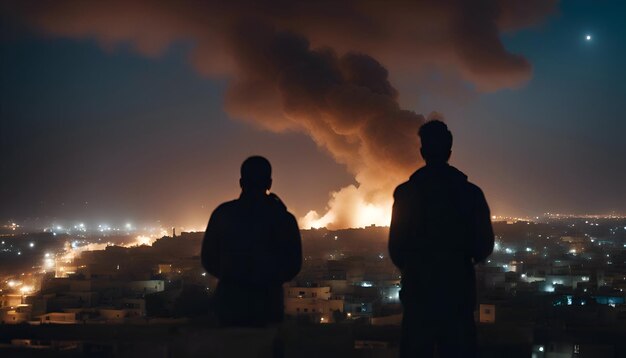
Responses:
[315,67]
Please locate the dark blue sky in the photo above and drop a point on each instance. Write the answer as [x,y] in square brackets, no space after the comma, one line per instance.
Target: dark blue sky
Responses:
[107,134]
[557,143]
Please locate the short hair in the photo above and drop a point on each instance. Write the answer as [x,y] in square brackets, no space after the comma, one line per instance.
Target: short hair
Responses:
[436,140]
[256,170]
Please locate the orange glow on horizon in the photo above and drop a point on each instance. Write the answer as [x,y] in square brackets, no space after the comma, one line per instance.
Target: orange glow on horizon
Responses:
[363,214]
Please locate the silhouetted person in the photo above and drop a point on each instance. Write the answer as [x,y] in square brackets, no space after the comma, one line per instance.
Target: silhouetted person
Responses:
[253,246]
[440,228]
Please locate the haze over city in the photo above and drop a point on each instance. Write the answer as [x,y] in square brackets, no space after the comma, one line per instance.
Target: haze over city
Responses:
[107,121]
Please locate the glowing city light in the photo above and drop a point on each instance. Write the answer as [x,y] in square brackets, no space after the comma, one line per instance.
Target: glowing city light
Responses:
[363,214]
[143,240]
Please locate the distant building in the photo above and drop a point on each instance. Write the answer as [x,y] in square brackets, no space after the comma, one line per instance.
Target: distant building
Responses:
[58,318]
[9,300]
[316,303]
[14,315]
[487,313]
[113,315]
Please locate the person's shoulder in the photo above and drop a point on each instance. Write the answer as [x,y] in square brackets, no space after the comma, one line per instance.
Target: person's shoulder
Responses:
[279,208]
[410,186]
[226,207]
[474,191]
[474,188]
[402,190]
[275,203]
[290,218]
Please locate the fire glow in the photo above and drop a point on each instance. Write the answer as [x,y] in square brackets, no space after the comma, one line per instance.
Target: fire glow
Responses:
[289,71]
[62,264]
[348,201]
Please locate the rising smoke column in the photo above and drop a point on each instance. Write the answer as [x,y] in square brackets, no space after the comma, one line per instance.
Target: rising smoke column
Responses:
[345,103]
[316,67]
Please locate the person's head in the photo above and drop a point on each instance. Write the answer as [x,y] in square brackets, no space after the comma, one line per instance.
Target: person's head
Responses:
[436,142]
[256,175]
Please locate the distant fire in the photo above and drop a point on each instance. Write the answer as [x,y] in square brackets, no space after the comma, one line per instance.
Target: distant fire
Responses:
[62,263]
[300,70]
[349,206]
[144,240]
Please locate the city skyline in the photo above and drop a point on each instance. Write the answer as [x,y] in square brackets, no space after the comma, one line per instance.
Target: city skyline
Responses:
[560,275]
[196,177]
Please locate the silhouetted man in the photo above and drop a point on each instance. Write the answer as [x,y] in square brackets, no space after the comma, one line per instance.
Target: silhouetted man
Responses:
[252,245]
[440,228]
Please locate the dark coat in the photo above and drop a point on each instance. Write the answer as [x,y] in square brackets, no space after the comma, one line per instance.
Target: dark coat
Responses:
[440,228]
[253,246]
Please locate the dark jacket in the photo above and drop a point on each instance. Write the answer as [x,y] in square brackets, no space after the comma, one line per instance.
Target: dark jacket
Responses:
[440,228]
[253,246]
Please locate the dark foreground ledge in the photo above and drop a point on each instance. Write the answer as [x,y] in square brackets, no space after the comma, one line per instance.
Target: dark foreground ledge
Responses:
[200,338]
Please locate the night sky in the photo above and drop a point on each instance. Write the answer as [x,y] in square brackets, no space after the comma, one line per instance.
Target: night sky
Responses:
[97,128]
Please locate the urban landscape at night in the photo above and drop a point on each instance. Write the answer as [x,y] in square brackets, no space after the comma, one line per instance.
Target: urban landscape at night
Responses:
[555,283]
[346,178]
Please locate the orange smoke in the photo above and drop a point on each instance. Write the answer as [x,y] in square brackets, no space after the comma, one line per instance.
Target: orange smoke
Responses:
[314,67]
